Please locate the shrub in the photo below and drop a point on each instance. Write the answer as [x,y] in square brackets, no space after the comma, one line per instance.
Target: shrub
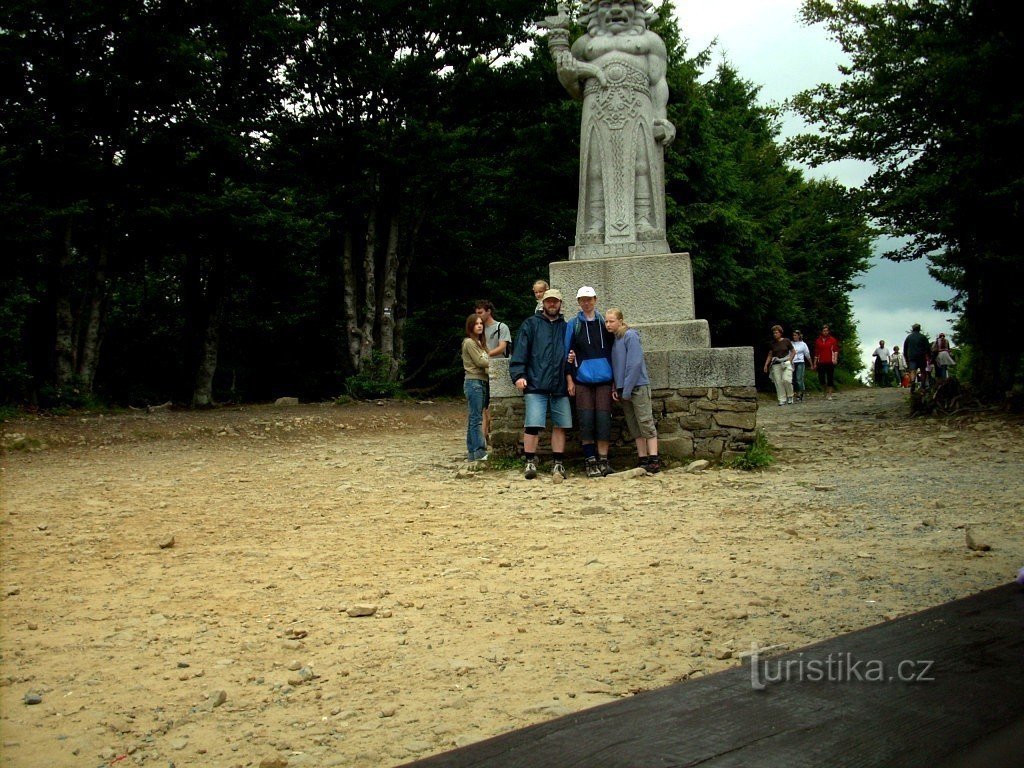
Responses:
[380,377]
[757,456]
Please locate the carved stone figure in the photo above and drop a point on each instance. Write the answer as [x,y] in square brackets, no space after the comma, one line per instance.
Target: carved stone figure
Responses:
[618,70]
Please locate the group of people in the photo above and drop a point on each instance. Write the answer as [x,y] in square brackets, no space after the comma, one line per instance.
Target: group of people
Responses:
[596,359]
[787,361]
[920,362]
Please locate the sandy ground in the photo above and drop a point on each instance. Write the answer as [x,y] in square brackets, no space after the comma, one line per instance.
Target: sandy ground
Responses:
[496,602]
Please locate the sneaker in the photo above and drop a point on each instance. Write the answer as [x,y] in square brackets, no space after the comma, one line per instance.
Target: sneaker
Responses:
[605,467]
[653,465]
[642,462]
[593,469]
[531,469]
[782,403]
[789,401]
[558,468]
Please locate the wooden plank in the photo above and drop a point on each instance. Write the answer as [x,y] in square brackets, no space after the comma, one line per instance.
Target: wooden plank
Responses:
[972,702]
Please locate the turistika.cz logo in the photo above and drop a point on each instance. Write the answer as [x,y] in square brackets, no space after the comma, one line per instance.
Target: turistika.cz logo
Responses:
[835,668]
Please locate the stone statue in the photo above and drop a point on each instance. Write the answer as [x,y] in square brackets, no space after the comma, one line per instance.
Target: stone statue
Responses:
[618,69]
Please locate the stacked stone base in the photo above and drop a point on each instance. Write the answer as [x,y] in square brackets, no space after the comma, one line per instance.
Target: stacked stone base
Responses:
[713,423]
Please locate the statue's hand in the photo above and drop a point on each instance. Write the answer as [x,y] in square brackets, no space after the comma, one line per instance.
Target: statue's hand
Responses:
[664,132]
[569,64]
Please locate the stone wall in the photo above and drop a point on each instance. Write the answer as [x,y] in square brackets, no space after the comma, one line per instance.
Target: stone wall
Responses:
[699,422]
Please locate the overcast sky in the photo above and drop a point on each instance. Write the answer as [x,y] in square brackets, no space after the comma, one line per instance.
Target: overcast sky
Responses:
[767,44]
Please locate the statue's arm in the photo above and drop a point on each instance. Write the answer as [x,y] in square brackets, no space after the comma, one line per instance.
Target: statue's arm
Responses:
[657,63]
[573,69]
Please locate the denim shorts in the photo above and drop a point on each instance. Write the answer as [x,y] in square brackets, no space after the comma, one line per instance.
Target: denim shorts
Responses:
[537,407]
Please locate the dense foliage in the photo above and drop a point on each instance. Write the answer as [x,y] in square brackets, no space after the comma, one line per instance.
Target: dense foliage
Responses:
[252,198]
[928,98]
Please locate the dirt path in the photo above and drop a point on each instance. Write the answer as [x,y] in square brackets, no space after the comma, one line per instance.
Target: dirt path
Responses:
[498,601]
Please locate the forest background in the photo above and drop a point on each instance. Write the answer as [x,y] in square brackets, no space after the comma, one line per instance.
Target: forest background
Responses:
[237,200]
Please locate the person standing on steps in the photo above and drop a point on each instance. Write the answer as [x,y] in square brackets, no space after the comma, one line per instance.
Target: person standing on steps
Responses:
[800,361]
[779,365]
[589,346]
[633,389]
[538,370]
[475,363]
[539,287]
[826,355]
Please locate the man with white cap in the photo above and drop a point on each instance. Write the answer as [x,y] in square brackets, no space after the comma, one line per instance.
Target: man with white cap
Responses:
[538,370]
[590,353]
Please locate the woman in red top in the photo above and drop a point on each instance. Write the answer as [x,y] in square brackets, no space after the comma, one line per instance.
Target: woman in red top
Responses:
[826,355]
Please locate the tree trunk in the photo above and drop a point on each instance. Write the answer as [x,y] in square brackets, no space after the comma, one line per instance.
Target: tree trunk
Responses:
[90,326]
[208,319]
[353,333]
[64,330]
[369,290]
[406,253]
[388,299]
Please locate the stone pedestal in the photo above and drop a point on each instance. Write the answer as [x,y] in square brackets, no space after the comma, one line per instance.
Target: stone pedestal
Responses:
[704,398]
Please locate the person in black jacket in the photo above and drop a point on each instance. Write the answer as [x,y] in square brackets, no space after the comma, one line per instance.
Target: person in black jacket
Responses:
[538,370]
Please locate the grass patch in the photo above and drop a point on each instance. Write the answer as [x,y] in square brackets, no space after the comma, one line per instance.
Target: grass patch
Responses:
[502,463]
[757,456]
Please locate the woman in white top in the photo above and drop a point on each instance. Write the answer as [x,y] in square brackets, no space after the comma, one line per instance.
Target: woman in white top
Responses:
[801,357]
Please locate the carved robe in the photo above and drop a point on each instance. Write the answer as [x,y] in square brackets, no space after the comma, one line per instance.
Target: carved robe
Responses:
[622,168]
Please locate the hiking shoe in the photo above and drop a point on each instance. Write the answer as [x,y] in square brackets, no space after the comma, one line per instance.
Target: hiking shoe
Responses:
[642,462]
[558,468]
[653,465]
[593,469]
[531,469]
[605,467]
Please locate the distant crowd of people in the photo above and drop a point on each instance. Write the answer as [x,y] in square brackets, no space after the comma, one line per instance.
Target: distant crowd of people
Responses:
[787,361]
[596,358]
[921,363]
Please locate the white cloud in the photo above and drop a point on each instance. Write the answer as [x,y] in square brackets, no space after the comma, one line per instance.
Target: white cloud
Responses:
[767,44]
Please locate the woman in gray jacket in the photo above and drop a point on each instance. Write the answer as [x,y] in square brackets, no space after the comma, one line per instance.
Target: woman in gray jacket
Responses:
[633,389]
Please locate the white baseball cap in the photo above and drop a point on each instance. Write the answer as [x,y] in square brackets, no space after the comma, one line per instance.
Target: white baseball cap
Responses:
[586,290]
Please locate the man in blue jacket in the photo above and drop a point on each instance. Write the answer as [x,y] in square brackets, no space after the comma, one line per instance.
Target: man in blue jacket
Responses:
[538,370]
[589,345]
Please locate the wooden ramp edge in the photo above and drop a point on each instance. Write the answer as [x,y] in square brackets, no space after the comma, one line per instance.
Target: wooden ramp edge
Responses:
[943,687]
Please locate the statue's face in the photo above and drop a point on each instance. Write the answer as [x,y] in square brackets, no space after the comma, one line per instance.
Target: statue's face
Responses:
[614,16]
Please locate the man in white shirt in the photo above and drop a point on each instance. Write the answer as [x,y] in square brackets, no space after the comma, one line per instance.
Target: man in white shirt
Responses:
[499,342]
[881,356]
[800,360]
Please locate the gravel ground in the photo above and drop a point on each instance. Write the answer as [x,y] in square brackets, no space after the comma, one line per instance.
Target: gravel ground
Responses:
[330,586]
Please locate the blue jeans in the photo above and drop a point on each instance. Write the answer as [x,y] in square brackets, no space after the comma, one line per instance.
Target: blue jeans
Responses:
[799,369]
[476,392]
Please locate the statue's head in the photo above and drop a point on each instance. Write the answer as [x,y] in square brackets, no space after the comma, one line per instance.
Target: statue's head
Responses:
[614,17]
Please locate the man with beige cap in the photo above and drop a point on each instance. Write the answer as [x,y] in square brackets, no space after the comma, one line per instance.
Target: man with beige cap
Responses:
[538,370]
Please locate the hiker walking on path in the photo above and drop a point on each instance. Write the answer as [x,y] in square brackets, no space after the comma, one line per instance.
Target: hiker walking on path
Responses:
[826,355]
[898,364]
[800,362]
[779,365]
[916,350]
[881,366]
